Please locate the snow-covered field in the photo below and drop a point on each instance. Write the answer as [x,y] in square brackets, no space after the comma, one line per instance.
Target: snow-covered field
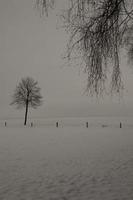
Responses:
[71,162]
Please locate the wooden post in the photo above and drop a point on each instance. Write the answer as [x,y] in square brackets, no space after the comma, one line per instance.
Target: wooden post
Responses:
[5,123]
[120,125]
[86,124]
[31,124]
[57,124]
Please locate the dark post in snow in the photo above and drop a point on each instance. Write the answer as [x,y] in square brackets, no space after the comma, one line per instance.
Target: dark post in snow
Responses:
[57,124]
[86,124]
[5,124]
[31,124]
[120,125]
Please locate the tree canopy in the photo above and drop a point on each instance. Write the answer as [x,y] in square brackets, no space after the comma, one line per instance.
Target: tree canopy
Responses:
[98,31]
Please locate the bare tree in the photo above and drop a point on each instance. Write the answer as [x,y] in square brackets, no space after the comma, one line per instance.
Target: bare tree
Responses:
[97,33]
[27,94]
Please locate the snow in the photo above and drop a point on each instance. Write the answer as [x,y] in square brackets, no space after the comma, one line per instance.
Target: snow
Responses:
[71,162]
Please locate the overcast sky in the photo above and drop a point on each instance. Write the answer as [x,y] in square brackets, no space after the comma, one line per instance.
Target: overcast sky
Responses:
[34,46]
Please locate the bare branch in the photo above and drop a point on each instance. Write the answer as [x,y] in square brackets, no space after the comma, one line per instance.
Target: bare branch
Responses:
[27,90]
[97,30]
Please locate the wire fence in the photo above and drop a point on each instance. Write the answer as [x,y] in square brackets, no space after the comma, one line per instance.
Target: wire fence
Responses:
[60,123]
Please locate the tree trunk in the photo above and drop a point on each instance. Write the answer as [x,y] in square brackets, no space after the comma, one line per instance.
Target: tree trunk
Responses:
[26,112]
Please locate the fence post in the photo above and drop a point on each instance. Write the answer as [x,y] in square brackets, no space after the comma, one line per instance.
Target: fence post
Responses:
[86,124]
[120,125]
[5,123]
[57,124]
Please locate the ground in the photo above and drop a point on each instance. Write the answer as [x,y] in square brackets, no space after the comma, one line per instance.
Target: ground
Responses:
[71,162]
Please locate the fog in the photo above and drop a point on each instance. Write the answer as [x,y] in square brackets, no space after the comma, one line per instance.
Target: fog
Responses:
[35,46]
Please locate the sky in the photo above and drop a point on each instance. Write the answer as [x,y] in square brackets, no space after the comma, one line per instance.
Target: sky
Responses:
[34,46]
